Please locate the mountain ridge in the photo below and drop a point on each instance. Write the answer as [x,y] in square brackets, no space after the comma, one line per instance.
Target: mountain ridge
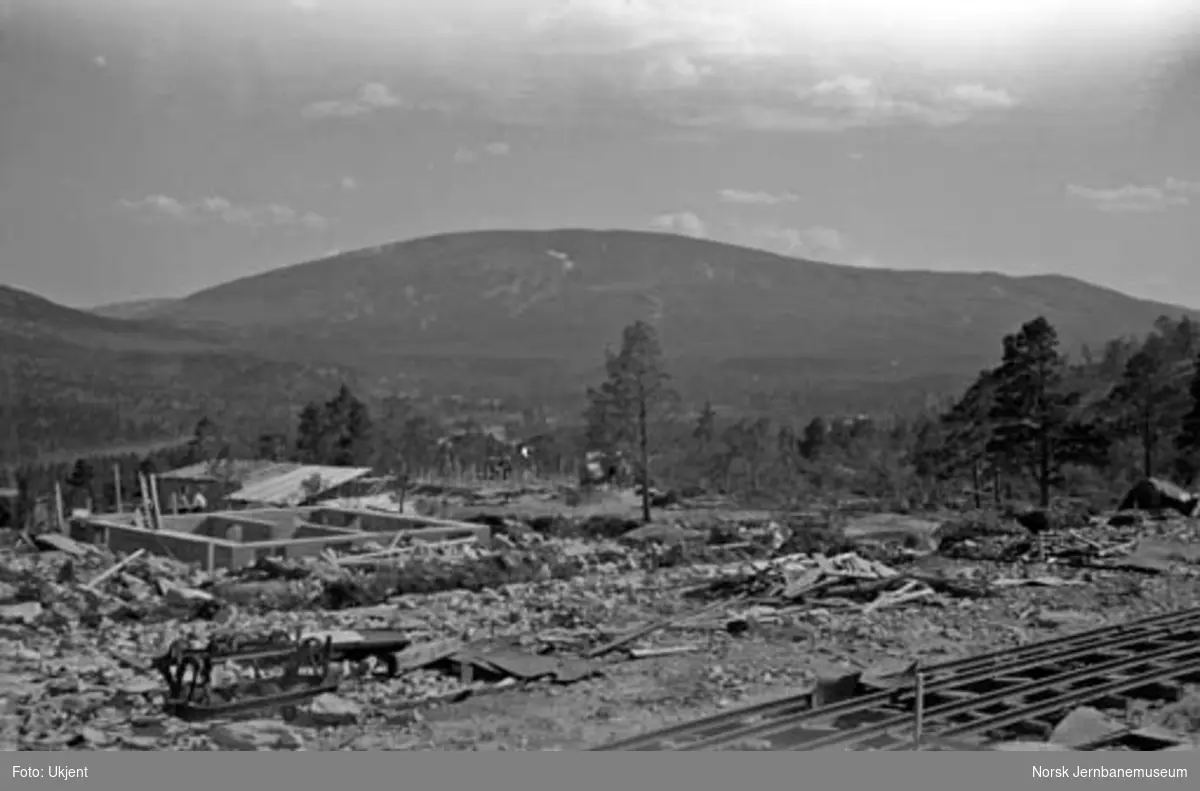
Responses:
[526,316]
[74,380]
[133,309]
[560,292]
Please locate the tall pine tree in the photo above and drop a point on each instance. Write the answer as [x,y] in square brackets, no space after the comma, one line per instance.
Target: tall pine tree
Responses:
[1143,401]
[626,410]
[1187,441]
[1032,412]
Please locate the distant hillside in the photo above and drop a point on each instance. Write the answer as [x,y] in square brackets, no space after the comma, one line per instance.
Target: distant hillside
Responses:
[548,302]
[30,318]
[525,316]
[71,380]
[135,309]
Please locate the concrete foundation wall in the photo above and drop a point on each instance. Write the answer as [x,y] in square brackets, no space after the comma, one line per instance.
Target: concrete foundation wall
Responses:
[180,546]
[481,533]
[183,523]
[375,522]
[234,540]
[285,517]
[236,529]
[333,517]
[316,531]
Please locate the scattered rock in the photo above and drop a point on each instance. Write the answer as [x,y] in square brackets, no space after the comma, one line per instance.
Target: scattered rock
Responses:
[1030,747]
[1084,725]
[77,659]
[1183,716]
[662,534]
[1062,619]
[332,711]
[24,613]
[256,735]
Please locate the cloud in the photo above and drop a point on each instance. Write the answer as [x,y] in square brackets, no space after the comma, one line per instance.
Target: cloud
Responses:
[854,101]
[1133,199]
[672,71]
[224,210]
[750,198]
[561,60]
[683,222]
[817,241]
[981,96]
[560,46]
[465,156]
[349,183]
[844,102]
[614,26]
[814,242]
[159,203]
[370,98]
[940,33]
[100,61]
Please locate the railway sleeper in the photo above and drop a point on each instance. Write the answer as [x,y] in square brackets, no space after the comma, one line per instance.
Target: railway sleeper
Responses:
[952,685]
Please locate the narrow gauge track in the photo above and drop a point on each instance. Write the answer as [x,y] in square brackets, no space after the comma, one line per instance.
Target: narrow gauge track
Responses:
[965,698]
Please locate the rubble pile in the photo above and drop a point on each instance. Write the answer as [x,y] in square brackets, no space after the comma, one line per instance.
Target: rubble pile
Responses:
[846,582]
[1130,542]
[981,536]
[78,674]
[721,607]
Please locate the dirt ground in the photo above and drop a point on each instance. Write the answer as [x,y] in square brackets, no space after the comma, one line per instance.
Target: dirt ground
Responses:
[73,674]
[638,696]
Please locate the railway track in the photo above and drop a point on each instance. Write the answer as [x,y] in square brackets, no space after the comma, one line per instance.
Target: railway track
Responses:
[967,701]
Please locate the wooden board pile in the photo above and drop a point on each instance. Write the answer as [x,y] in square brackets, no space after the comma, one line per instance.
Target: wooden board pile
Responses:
[846,581]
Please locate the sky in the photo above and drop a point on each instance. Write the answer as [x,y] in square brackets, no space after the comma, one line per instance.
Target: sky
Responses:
[152,148]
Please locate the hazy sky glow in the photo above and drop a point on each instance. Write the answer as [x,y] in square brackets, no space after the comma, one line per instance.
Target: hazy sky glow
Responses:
[154,147]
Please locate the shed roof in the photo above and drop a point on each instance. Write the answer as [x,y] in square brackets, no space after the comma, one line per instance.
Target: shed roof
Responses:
[287,488]
[241,471]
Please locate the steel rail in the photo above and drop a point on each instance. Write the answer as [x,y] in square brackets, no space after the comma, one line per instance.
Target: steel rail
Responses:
[756,720]
[894,697]
[1190,654]
[1189,667]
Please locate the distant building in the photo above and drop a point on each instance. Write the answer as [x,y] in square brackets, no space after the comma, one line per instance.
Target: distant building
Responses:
[305,484]
[214,480]
[238,483]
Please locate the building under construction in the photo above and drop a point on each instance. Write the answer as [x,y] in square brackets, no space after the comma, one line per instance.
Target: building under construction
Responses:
[235,539]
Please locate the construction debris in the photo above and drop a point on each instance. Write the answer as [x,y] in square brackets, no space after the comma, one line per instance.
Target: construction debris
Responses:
[410,627]
[306,671]
[846,581]
[1131,546]
[114,569]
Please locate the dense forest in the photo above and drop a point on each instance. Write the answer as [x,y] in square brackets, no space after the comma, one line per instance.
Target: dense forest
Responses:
[1034,425]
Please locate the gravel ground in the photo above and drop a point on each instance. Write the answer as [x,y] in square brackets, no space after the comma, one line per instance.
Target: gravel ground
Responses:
[639,696]
[73,673]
